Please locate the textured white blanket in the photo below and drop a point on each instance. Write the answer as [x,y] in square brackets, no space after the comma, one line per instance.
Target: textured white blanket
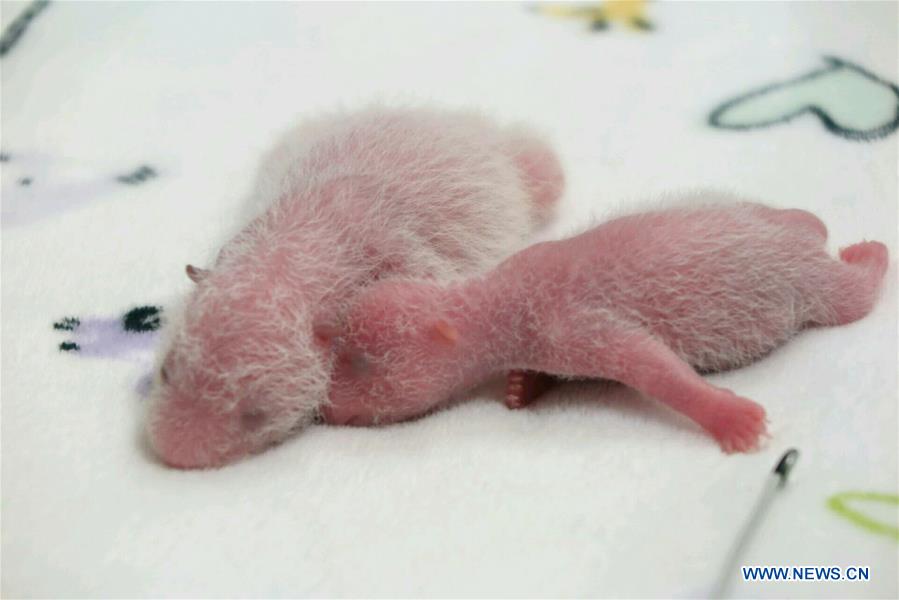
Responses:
[131,134]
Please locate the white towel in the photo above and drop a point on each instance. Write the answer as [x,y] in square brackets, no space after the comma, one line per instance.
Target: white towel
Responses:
[591,492]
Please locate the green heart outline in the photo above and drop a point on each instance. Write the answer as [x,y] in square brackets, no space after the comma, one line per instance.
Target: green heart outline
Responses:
[834,64]
[838,504]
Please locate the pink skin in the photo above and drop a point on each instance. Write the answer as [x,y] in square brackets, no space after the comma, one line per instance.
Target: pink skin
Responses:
[646,300]
[523,387]
[355,199]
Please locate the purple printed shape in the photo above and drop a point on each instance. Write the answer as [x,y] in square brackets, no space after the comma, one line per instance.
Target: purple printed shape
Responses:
[105,338]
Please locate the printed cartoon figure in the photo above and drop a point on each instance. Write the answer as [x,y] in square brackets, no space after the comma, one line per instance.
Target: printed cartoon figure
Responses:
[631,13]
[132,337]
[135,332]
[848,100]
[851,506]
[36,186]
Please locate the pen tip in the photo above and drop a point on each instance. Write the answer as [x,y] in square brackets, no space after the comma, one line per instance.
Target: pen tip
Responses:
[786,464]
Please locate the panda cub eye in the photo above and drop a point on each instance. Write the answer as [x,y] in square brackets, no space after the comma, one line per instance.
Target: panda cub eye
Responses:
[252,419]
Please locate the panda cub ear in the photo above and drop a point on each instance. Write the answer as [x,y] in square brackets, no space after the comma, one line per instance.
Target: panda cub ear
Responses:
[444,332]
[196,274]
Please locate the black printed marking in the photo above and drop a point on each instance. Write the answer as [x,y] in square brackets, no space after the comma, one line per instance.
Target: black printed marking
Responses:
[4,157]
[642,24]
[142,318]
[67,324]
[25,181]
[834,64]
[142,174]
[69,347]
[14,31]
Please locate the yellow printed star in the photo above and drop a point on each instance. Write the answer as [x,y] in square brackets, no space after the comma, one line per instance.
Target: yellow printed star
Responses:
[629,12]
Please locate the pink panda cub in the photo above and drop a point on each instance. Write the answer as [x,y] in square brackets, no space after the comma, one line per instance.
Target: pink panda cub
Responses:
[650,300]
[345,200]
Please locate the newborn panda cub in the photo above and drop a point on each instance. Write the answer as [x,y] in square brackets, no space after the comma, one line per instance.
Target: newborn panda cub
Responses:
[648,300]
[343,201]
